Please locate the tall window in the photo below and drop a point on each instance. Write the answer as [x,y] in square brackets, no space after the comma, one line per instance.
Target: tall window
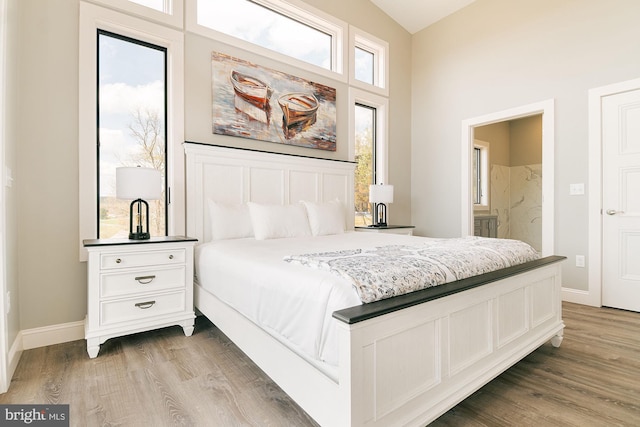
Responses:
[365,157]
[275,26]
[480,175]
[131,126]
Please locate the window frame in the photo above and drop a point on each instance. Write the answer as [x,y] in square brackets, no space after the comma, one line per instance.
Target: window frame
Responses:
[93,18]
[381,105]
[484,175]
[380,50]
[140,43]
[297,11]
[174,16]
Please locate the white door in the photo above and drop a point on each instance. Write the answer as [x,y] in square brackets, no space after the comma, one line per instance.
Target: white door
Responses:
[621,200]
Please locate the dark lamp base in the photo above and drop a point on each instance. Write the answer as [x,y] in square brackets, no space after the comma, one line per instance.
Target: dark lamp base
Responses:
[139,236]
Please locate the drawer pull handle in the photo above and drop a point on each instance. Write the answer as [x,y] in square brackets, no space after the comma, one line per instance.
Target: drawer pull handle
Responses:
[118,261]
[170,256]
[144,280]
[145,305]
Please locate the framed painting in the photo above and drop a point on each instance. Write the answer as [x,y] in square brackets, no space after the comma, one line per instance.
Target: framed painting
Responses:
[251,101]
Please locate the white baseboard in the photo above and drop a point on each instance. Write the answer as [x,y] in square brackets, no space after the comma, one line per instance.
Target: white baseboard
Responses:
[50,335]
[41,337]
[578,297]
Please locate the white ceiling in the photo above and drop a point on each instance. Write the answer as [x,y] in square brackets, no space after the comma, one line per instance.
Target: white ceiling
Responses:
[415,15]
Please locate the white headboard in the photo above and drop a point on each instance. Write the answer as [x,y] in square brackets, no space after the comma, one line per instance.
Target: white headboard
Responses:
[233,175]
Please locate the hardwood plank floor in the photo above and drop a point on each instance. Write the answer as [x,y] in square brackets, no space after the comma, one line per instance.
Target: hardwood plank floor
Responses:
[164,378]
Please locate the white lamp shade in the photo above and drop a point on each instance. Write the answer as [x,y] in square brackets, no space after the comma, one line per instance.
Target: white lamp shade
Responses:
[138,183]
[381,193]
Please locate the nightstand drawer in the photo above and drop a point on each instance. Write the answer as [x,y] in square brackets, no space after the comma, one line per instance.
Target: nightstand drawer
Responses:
[141,308]
[138,259]
[130,282]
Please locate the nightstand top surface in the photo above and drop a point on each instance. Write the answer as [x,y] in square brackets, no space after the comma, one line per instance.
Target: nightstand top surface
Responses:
[384,227]
[116,242]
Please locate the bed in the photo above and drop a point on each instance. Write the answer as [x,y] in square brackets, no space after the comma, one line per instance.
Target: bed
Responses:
[401,360]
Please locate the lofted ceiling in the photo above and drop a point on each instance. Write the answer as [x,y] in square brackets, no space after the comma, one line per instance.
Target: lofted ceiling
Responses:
[415,15]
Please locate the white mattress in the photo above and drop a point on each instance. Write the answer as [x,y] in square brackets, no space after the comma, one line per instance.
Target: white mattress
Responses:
[292,302]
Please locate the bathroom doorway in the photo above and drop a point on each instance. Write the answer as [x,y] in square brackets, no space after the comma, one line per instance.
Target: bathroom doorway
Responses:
[513,206]
[525,172]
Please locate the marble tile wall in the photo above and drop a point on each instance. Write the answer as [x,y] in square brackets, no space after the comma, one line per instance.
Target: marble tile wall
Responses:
[516,197]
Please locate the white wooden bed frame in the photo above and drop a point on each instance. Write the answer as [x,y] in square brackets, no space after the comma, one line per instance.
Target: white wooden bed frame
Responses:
[402,361]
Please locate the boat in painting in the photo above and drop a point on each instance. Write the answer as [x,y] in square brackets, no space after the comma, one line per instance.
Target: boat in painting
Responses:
[298,107]
[251,89]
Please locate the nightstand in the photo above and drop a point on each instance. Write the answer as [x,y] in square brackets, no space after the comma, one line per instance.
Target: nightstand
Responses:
[392,229]
[138,285]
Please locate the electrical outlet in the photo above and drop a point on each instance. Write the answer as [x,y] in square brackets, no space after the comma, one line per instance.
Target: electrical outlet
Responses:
[579,260]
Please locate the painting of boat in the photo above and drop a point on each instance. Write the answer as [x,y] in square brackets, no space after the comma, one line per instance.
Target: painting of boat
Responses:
[298,107]
[245,97]
[251,89]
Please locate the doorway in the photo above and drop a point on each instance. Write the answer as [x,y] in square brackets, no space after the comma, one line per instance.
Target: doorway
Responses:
[544,109]
[513,175]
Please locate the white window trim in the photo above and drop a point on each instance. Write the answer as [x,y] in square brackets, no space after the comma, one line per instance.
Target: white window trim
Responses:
[485,156]
[173,16]
[380,50]
[93,18]
[381,104]
[293,9]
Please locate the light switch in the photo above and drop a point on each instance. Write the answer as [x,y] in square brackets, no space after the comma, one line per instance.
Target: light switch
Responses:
[576,189]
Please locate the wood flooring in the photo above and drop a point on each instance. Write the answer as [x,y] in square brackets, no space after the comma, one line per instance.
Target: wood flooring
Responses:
[162,378]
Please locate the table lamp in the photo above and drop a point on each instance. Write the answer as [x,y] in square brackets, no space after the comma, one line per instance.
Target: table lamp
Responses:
[138,184]
[379,195]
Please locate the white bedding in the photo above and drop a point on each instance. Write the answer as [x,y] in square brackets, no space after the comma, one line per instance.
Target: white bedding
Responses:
[291,301]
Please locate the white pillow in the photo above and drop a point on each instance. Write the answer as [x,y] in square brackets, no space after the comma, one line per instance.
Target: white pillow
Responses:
[278,221]
[325,218]
[229,221]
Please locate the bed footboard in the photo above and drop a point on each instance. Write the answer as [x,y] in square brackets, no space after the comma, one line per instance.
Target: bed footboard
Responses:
[410,366]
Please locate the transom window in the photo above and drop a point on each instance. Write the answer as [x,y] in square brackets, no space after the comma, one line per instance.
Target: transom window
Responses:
[277,26]
[160,5]
[369,62]
[364,62]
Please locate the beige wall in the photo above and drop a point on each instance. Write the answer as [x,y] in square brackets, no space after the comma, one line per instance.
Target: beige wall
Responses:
[525,136]
[499,54]
[51,280]
[498,137]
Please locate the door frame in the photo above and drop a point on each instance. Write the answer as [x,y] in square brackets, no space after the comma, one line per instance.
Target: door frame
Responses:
[594,294]
[547,109]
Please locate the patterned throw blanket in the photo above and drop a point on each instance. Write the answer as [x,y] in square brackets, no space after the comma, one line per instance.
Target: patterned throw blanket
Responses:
[387,271]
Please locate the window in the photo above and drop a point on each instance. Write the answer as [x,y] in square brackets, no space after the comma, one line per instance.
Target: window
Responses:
[368,61]
[309,37]
[131,118]
[156,44]
[165,11]
[369,137]
[365,149]
[480,175]
[159,5]
[364,61]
